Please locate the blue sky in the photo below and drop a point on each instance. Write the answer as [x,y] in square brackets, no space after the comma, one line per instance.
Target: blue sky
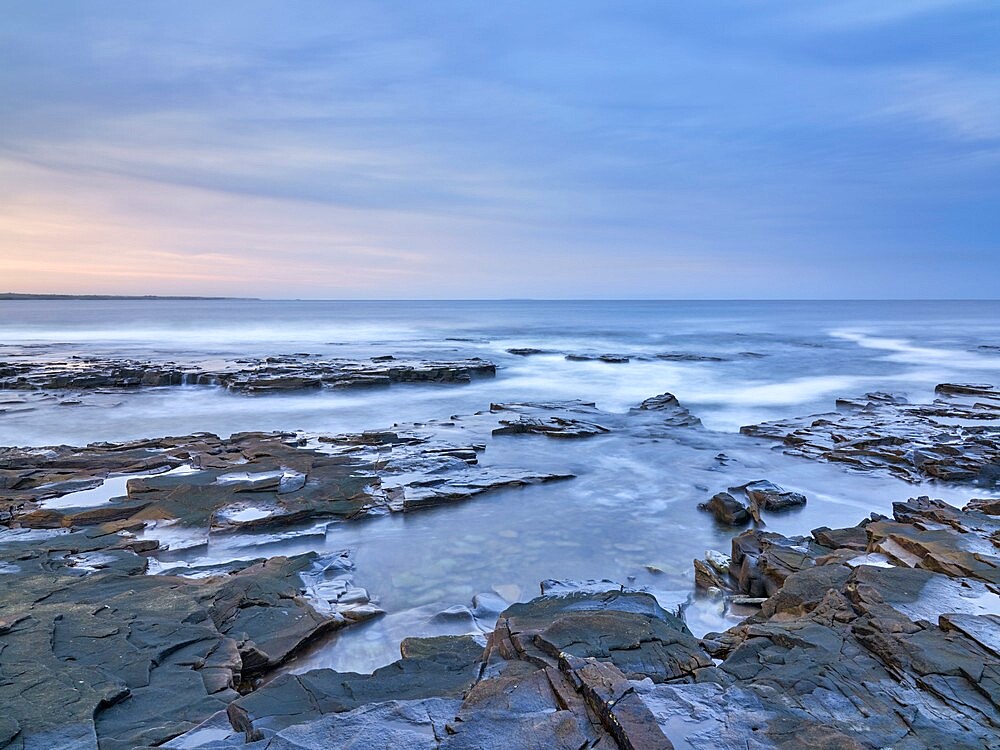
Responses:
[844,148]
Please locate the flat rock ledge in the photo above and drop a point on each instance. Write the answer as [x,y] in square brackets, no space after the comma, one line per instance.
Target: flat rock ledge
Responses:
[261,375]
[95,653]
[955,438]
[248,482]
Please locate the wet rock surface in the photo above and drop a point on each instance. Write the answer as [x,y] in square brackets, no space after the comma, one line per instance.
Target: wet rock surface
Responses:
[94,652]
[881,635]
[956,438]
[555,673]
[260,375]
[583,419]
[564,420]
[759,495]
[250,481]
[851,647]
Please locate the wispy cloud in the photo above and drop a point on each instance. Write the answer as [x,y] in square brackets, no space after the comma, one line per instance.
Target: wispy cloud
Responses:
[569,149]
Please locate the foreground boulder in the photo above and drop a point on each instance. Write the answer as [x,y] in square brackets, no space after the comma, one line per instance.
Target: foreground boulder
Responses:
[556,673]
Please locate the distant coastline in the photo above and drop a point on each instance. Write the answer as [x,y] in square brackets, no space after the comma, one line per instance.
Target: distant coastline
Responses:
[19,296]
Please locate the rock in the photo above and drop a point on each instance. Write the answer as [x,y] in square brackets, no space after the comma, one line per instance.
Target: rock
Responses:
[610,358]
[727,509]
[260,375]
[251,481]
[525,351]
[769,496]
[854,537]
[97,652]
[686,357]
[967,389]
[955,439]
[552,420]
[989,506]
[523,691]
[667,405]
[441,667]
[856,655]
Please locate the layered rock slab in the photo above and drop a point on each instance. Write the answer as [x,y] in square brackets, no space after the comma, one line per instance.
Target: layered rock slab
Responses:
[855,648]
[94,653]
[955,438]
[250,481]
[272,374]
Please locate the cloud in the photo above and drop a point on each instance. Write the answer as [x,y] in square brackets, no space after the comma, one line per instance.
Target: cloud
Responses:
[594,149]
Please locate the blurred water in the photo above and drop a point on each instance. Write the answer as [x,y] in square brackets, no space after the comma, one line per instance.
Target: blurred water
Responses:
[630,514]
[815,351]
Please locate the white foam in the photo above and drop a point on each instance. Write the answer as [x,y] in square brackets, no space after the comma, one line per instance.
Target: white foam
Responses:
[904,350]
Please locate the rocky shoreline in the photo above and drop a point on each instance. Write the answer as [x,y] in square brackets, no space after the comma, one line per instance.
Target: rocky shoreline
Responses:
[884,634]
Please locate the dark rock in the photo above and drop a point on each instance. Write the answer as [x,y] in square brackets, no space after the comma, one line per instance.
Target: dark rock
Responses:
[849,654]
[667,405]
[97,653]
[854,537]
[610,358]
[769,496]
[552,420]
[523,691]
[252,481]
[685,357]
[727,509]
[967,389]
[953,439]
[262,375]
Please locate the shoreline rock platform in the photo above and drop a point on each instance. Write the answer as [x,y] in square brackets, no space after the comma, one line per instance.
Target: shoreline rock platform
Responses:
[884,634]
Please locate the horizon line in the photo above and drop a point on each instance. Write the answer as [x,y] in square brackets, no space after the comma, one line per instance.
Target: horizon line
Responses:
[99,297]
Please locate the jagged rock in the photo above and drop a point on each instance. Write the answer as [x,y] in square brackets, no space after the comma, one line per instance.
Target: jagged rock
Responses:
[967,389]
[448,693]
[767,495]
[854,537]
[666,404]
[251,481]
[761,561]
[441,667]
[954,439]
[561,420]
[848,654]
[727,509]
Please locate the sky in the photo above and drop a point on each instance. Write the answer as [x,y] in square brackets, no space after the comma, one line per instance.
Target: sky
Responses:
[558,149]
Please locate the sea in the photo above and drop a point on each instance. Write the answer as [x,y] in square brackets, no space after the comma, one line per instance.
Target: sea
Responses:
[630,516]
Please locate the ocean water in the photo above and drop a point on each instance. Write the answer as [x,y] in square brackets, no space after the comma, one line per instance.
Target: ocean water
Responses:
[814,352]
[630,515]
